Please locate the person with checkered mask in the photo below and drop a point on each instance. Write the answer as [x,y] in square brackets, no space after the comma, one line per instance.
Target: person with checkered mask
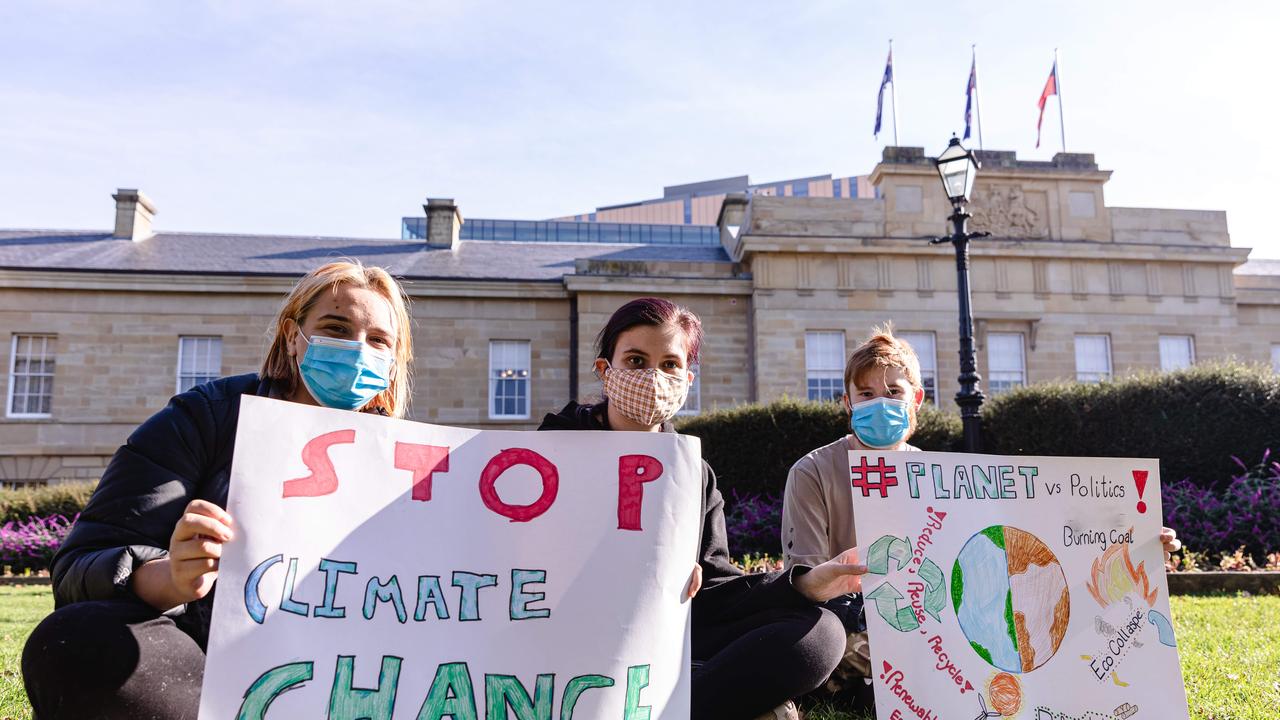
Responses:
[759,639]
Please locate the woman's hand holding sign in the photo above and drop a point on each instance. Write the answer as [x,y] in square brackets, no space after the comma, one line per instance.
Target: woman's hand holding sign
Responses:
[196,546]
[695,583]
[1169,539]
[191,568]
[838,576]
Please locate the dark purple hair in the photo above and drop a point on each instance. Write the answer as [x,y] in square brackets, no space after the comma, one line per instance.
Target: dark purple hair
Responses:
[650,311]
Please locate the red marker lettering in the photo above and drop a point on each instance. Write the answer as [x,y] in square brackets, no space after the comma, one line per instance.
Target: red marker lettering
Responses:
[502,462]
[315,455]
[633,472]
[423,461]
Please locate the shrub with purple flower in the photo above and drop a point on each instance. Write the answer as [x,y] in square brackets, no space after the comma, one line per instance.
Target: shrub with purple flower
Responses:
[28,545]
[1221,517]
[754,523]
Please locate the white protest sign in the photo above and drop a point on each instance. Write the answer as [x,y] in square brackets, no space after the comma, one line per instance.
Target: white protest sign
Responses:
[388,569]
[1029,587]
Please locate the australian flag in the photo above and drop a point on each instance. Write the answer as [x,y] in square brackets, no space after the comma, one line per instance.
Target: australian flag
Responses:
[888,78]
[968,94]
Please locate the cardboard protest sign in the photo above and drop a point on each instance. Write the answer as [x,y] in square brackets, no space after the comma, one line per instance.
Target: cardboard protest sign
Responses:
[1028,587]
[390,569]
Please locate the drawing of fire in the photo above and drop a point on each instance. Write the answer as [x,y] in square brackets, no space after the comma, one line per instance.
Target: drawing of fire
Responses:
[1113,577]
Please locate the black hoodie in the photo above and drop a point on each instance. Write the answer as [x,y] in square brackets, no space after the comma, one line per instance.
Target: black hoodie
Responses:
[727,593]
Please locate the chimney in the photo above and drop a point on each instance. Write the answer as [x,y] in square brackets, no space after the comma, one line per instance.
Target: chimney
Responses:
[443,223]
[133,215]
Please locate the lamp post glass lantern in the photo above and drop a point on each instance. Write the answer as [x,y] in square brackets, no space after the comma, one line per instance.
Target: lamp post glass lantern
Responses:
[958,167]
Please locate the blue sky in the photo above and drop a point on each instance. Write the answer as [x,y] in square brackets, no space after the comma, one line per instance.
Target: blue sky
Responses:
[337,118]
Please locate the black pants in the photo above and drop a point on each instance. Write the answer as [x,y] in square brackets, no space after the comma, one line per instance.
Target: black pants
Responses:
[112,659]
[751,665]
[119,659]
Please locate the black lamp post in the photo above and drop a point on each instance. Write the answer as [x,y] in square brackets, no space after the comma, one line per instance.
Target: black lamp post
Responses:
[957,167]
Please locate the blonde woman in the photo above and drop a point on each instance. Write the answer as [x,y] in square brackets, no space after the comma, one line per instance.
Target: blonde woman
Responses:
[134,580]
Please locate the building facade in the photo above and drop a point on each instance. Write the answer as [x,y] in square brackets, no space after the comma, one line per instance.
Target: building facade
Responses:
[99,329]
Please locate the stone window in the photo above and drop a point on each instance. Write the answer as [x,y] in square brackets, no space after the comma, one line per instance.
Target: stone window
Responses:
[509,379]
[1006,362]
[824,364]
[693,403]
[199,361]
[31,376]
[1176,352]
[1093,358]
[926,349]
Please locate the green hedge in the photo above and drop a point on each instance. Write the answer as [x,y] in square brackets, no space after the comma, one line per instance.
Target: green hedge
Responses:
[66,499]
[751,447]
[1193,420]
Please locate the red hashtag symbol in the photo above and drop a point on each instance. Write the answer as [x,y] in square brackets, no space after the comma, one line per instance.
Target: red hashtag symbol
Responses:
[885,477]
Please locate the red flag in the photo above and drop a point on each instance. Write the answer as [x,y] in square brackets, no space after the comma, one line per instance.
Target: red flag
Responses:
[1050,88]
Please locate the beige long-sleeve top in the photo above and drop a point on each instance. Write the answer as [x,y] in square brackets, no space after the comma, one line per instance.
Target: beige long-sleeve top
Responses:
[817,506]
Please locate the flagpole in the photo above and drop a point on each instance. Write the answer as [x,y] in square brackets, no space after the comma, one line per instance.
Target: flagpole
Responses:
[1062,123]
[893,95]
[977,96]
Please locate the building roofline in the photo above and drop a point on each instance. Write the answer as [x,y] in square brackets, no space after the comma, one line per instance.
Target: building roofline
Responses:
[198,233]
[810,178]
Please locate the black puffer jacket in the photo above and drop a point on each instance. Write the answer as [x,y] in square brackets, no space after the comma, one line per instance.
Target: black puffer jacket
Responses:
[181,453]
[726,592]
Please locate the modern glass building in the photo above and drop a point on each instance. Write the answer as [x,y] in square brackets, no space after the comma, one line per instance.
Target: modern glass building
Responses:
[570,231]
[684,215]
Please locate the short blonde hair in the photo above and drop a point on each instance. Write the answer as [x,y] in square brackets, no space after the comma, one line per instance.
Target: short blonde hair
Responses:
[304,296]
[883,350]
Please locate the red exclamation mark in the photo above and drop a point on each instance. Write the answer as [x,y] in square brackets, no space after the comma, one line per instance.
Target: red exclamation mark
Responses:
[1140,479]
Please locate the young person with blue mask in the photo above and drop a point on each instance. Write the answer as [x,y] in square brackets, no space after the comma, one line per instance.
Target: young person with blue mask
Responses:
[883,393]
[134,580]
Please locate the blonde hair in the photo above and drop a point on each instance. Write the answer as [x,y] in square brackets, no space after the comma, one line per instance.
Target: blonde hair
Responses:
[304,296]
[883,350]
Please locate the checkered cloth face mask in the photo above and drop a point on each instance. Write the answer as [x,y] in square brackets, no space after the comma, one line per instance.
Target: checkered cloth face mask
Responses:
[649,396]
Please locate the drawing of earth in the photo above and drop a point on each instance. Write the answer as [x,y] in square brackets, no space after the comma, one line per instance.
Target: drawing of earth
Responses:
[1011,598]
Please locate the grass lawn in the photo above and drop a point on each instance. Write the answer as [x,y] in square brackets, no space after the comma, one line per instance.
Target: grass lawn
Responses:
[1229,645]
[21,607]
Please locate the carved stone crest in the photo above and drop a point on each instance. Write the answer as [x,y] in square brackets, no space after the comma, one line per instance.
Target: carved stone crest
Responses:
[1005,212]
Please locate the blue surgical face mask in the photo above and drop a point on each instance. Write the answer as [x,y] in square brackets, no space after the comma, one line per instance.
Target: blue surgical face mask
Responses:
[344,374]
[880,422]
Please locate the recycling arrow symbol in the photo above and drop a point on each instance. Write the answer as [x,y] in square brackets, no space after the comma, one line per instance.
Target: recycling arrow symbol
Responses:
[886,596]
[887,547]
[935,592]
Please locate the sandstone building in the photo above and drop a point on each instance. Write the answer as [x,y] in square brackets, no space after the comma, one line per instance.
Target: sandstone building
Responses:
[99,328]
